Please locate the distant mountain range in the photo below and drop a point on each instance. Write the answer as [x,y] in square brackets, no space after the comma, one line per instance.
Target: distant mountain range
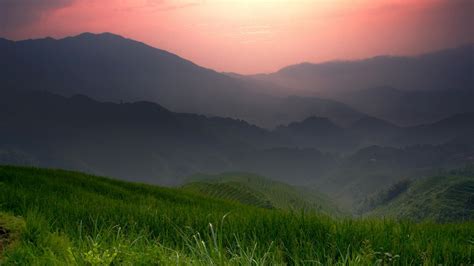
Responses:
[109,67]
[139,140]
[112,106]
[449,69]
[410,107]
[403,90]
[143,141]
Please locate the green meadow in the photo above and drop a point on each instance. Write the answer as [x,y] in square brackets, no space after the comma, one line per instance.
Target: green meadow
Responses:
[56,217]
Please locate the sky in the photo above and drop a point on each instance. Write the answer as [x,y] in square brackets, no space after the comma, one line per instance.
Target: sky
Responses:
[253,36]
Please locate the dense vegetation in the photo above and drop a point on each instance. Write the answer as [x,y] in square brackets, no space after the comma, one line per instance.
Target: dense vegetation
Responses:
[58,217]
[440,198]
[259,191]
[384,196]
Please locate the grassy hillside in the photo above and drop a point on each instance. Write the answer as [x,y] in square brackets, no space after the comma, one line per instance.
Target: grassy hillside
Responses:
[261,192]
[60,217]
[439,198]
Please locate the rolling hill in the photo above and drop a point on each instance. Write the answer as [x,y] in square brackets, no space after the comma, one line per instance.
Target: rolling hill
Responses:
[373,168]
[256,190]
[439,198]
[62,217]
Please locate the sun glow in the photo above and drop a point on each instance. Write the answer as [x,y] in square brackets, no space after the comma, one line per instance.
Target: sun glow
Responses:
[249,36]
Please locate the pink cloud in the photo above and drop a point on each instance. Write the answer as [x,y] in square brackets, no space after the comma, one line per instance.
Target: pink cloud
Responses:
[254,36]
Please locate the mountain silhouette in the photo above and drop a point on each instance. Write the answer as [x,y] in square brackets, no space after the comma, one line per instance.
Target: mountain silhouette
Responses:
[405,90]
[439,70]
[108,67]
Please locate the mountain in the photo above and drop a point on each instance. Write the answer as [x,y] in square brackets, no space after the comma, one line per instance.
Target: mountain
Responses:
[323,134]
[440,70]
[403,90]
[143,141]
[259,191]
[139,140]
[439,198]
[317,132]
[410,107]
[108,67]
[294,108]
[370,130]
[437,132]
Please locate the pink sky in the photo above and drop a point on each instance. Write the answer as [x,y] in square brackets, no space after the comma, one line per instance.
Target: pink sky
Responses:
[250,36]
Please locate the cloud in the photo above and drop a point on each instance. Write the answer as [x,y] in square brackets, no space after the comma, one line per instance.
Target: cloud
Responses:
[20,13]
[162,5]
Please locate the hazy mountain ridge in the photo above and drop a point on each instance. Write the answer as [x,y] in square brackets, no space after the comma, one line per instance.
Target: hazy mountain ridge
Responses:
[322,133]
[318,132]
[404,90]
[112,68]
[145,142]
[319,142]
[410,108]
[438,70]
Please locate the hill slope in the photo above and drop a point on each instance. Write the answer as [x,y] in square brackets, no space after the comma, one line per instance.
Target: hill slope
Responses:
[256,190]
[439,198]
[71,218]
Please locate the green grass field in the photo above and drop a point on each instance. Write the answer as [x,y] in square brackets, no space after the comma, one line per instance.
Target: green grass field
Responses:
[55,217]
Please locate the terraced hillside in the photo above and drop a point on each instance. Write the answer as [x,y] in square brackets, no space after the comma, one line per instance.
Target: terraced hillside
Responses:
[56,217]
[233,191]
[261,192]
[439,198]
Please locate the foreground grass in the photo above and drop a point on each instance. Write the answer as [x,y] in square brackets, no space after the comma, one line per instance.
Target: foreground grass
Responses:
[72,218]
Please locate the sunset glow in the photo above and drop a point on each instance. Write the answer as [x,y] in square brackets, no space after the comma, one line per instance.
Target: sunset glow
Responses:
[249,36]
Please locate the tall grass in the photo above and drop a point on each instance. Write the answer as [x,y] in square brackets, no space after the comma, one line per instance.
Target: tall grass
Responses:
[71,218]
